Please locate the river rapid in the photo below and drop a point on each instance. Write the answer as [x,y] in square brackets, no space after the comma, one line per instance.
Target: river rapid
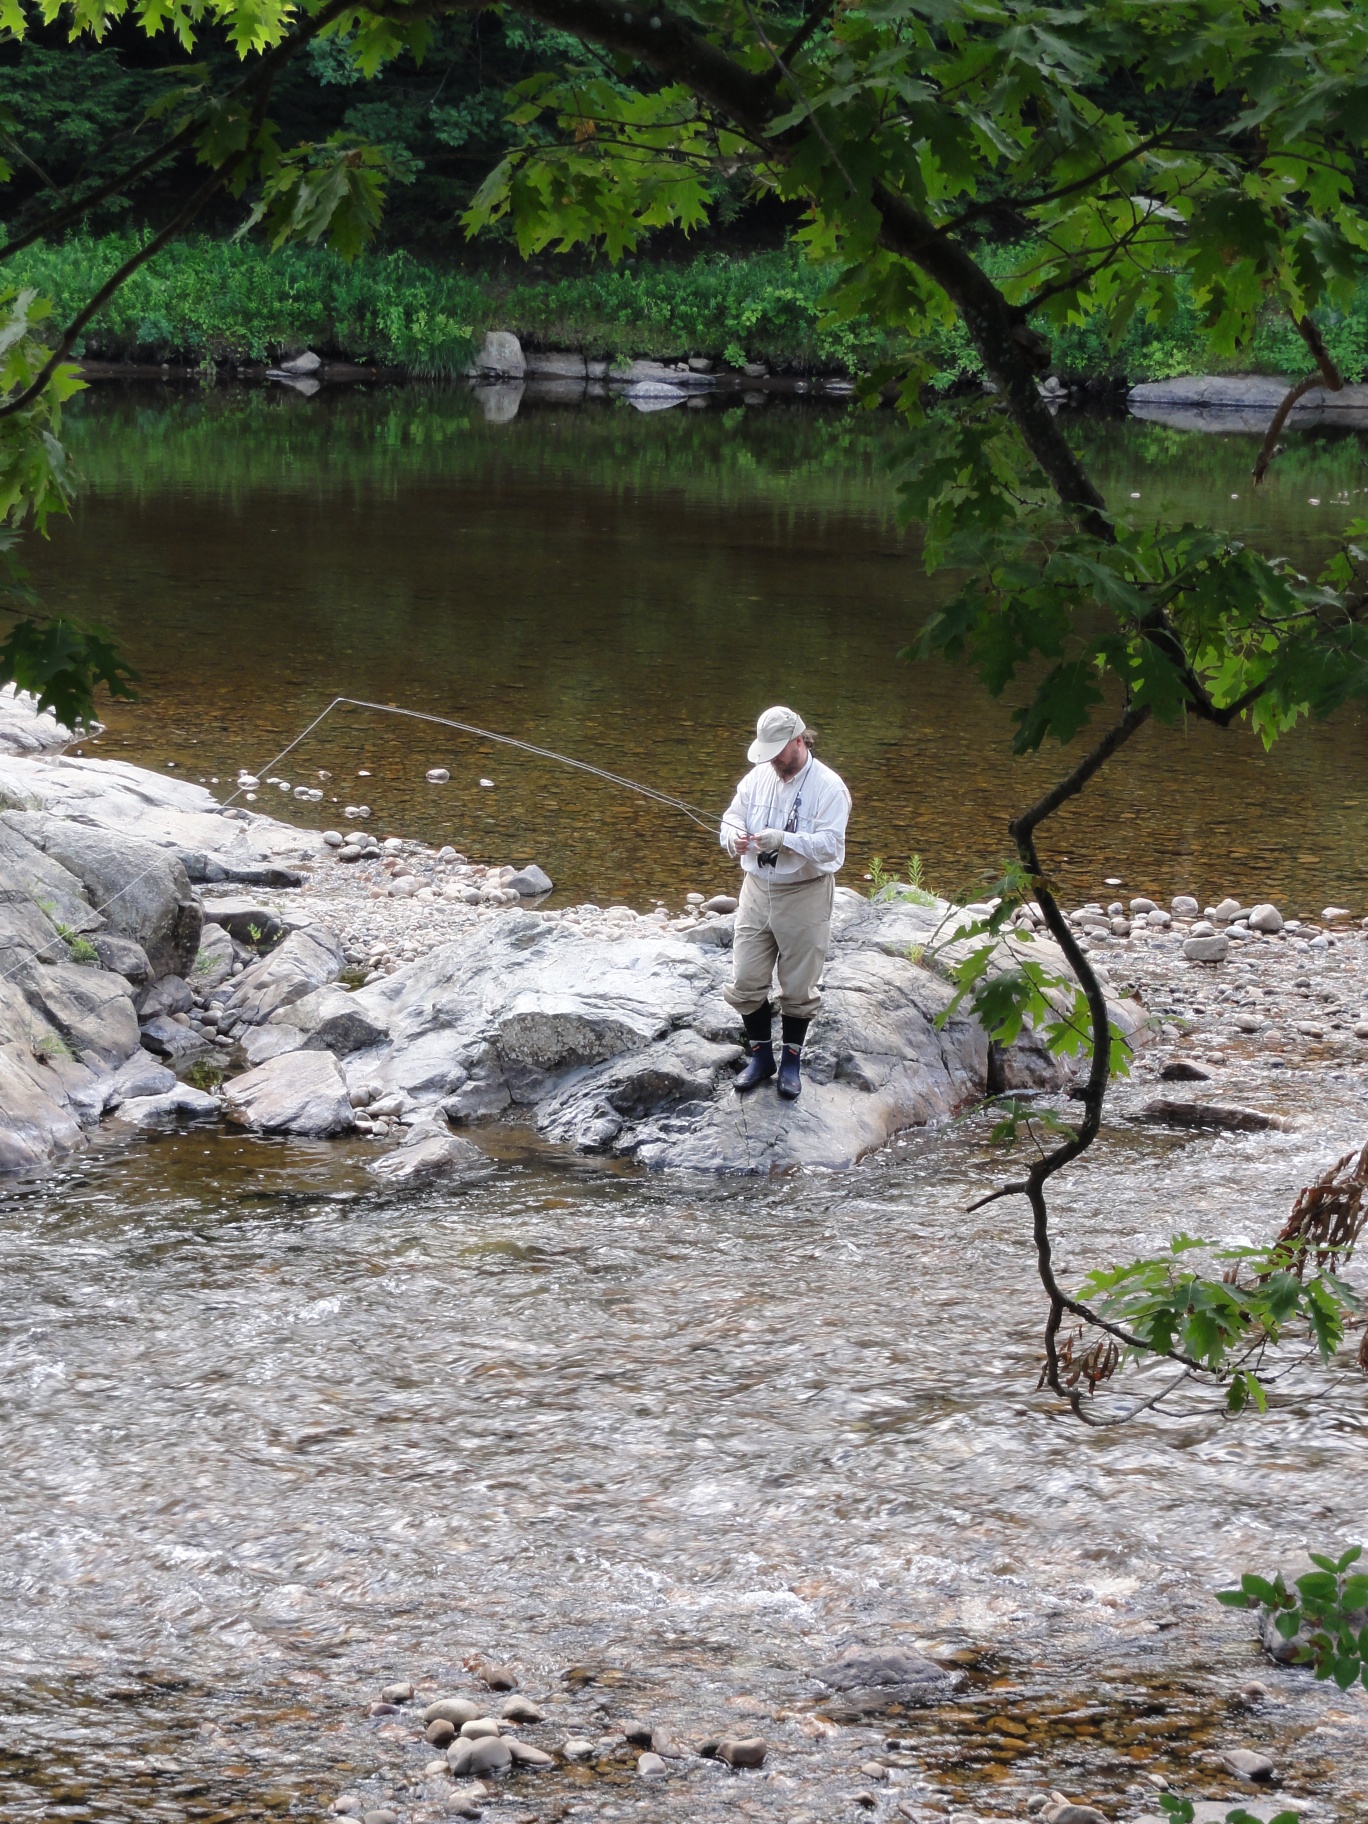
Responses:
[274,1438]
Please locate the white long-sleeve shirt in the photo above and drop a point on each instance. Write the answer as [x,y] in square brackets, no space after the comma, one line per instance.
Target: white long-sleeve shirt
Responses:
[815,844]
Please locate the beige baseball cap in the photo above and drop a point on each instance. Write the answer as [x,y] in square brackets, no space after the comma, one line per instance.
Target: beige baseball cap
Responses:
[773,732]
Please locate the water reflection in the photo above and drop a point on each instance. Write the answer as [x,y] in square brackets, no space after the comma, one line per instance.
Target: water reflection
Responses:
[632,588]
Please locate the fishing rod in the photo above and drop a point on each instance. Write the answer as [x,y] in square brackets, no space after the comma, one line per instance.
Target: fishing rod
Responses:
[704,819]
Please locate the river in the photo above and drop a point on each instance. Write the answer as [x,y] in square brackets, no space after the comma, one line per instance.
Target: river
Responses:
[273,1439]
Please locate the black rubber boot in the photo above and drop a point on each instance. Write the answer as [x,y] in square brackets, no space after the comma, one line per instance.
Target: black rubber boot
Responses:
[790,1084]
[759,1067]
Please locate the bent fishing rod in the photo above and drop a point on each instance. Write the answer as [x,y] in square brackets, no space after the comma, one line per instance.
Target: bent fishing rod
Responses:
[704,819]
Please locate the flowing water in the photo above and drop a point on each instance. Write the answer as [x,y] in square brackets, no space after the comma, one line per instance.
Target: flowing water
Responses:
[272,1439]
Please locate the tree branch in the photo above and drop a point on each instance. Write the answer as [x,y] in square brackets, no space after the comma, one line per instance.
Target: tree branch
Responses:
[62,218]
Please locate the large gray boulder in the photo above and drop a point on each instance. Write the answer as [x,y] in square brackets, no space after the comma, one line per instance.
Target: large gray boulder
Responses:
[141,890]
[301,1093]
[39,899]
[308,959]
[91,1010]
[626,1046]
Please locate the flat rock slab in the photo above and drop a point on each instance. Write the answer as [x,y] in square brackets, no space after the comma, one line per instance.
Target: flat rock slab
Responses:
[300,1093]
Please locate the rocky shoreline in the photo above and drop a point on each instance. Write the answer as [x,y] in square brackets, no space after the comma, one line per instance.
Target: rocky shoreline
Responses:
[165,958]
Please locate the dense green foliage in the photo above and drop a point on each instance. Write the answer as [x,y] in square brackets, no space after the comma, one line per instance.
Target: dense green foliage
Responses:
[1325,1611]
[208,299]
[441,121]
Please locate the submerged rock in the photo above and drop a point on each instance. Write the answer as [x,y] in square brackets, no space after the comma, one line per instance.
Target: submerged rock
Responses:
[430,1153]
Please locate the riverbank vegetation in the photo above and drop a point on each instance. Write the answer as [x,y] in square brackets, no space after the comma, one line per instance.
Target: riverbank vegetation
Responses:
[209,300]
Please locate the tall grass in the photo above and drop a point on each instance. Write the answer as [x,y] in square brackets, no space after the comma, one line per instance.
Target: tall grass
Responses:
[203,301]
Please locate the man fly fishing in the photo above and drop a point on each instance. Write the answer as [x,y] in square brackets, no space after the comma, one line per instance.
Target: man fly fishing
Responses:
[786,825]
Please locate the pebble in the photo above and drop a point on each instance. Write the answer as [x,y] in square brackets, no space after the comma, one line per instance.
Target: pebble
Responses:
[480,1727]
[521,1710]
[527,1756]
[457,1710]
[437,775]
[747,1751]
[492,1755]
[650,1766]
[498,1678]
[577,1749]
[1248,1764]
[440,1732]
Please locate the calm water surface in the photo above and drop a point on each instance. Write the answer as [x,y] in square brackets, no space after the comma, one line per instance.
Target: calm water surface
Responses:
[632,589]
[272,1439]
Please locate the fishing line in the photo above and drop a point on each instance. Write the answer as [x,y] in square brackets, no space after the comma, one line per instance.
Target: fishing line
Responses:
[704,819]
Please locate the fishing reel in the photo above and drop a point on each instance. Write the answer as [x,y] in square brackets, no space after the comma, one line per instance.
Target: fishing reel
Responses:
[766,858]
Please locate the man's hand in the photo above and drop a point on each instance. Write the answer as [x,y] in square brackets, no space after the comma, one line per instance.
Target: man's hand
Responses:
[768,841]
[737,841]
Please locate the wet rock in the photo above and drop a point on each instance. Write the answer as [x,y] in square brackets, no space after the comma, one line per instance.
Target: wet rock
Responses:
[381,1815]
[457,1710]
[397,1694]
[458,1758]
[743,1751]
[431,1153]
[1211,1115]
[440,1732]
[1183,905]
[1248,1764]
[651,1767]
[909,1676]
[436,775]
[1069,1813]
[121,956]
[348,1805]
[490,1755]
[722,903]
[152,1114]
[302,1093]
[1182,1070]
[1265,917]
[520,1710]
[467,1801]
[525,1755]
[576,1748]
[478,1728]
